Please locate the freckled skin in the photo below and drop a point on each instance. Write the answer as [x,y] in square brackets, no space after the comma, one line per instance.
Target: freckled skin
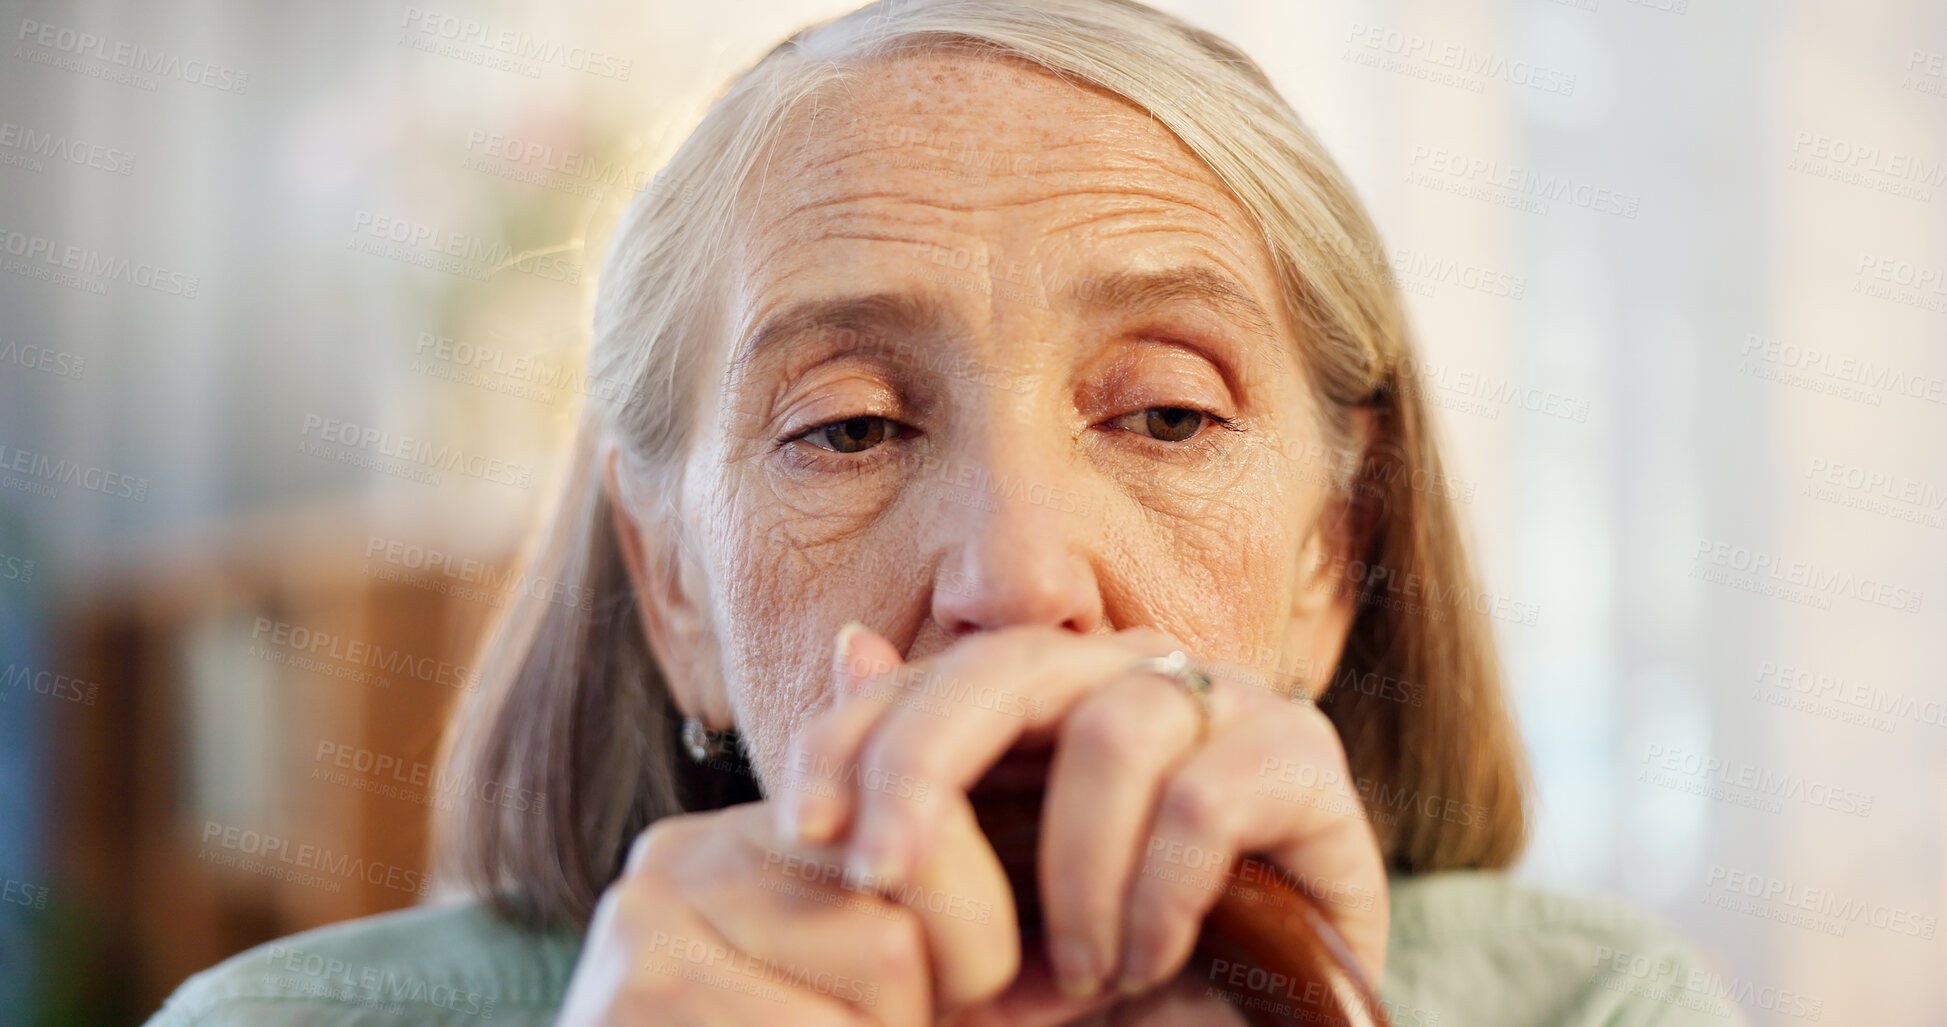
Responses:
[1024,182]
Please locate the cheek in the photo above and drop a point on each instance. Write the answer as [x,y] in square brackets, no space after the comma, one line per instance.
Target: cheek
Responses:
[785,580]
[1218,566]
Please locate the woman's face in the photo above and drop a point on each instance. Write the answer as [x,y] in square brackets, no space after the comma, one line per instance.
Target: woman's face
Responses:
[997,351]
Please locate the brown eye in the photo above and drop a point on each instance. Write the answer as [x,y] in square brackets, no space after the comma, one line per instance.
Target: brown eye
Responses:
[852,435]
[1165,424]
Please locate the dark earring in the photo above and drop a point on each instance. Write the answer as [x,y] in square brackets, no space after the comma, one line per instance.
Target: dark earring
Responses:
[704,744]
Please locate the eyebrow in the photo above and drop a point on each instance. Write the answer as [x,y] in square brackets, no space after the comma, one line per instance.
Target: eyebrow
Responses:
[891,314]
[1131,292]
[896,314]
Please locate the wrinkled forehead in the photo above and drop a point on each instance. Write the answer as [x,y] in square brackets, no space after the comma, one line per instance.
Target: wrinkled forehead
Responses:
[957,145]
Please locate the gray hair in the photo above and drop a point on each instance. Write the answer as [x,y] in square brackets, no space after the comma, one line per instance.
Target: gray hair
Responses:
[573,706]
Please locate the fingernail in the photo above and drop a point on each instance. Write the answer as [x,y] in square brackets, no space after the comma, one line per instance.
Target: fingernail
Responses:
[815,822]
[1075,968]
[842,662]
[787,812]
[1135,976]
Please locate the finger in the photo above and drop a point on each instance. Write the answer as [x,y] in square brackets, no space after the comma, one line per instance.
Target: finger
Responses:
[721,985]
[786,924]
[1032,1000]
[965,907]
[676,968]
[814,798]
[984,695]
[1115,749]
[1210,812]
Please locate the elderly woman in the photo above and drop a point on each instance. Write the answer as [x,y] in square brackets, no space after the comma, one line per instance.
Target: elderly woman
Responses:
[1015,420]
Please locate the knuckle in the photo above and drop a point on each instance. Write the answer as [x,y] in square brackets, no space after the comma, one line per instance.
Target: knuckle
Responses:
[893,950]
[646,988]
[897,753]
[1197,806]
[654,849]
[817,742]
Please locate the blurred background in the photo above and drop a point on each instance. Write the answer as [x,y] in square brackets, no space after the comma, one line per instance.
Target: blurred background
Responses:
[290,327]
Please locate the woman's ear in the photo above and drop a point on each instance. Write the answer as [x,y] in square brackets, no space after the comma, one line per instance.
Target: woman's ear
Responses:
[1327,600]
[671,602]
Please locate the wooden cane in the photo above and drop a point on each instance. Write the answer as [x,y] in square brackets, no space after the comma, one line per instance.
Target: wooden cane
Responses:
[1265,946]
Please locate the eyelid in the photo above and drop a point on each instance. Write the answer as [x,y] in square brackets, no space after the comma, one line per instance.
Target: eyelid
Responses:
[840,398]
[1214,419]
[900,428]
[794,434]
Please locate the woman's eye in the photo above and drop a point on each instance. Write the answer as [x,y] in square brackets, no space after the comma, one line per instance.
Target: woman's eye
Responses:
[852,435]
[1165,424]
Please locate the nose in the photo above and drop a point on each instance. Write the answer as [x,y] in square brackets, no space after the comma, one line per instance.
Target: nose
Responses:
[1017,546]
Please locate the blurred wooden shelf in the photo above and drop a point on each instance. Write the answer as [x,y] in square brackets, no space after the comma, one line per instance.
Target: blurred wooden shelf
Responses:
[221,713]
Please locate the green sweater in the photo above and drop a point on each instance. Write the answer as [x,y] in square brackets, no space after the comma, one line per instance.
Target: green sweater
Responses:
[1467,947]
